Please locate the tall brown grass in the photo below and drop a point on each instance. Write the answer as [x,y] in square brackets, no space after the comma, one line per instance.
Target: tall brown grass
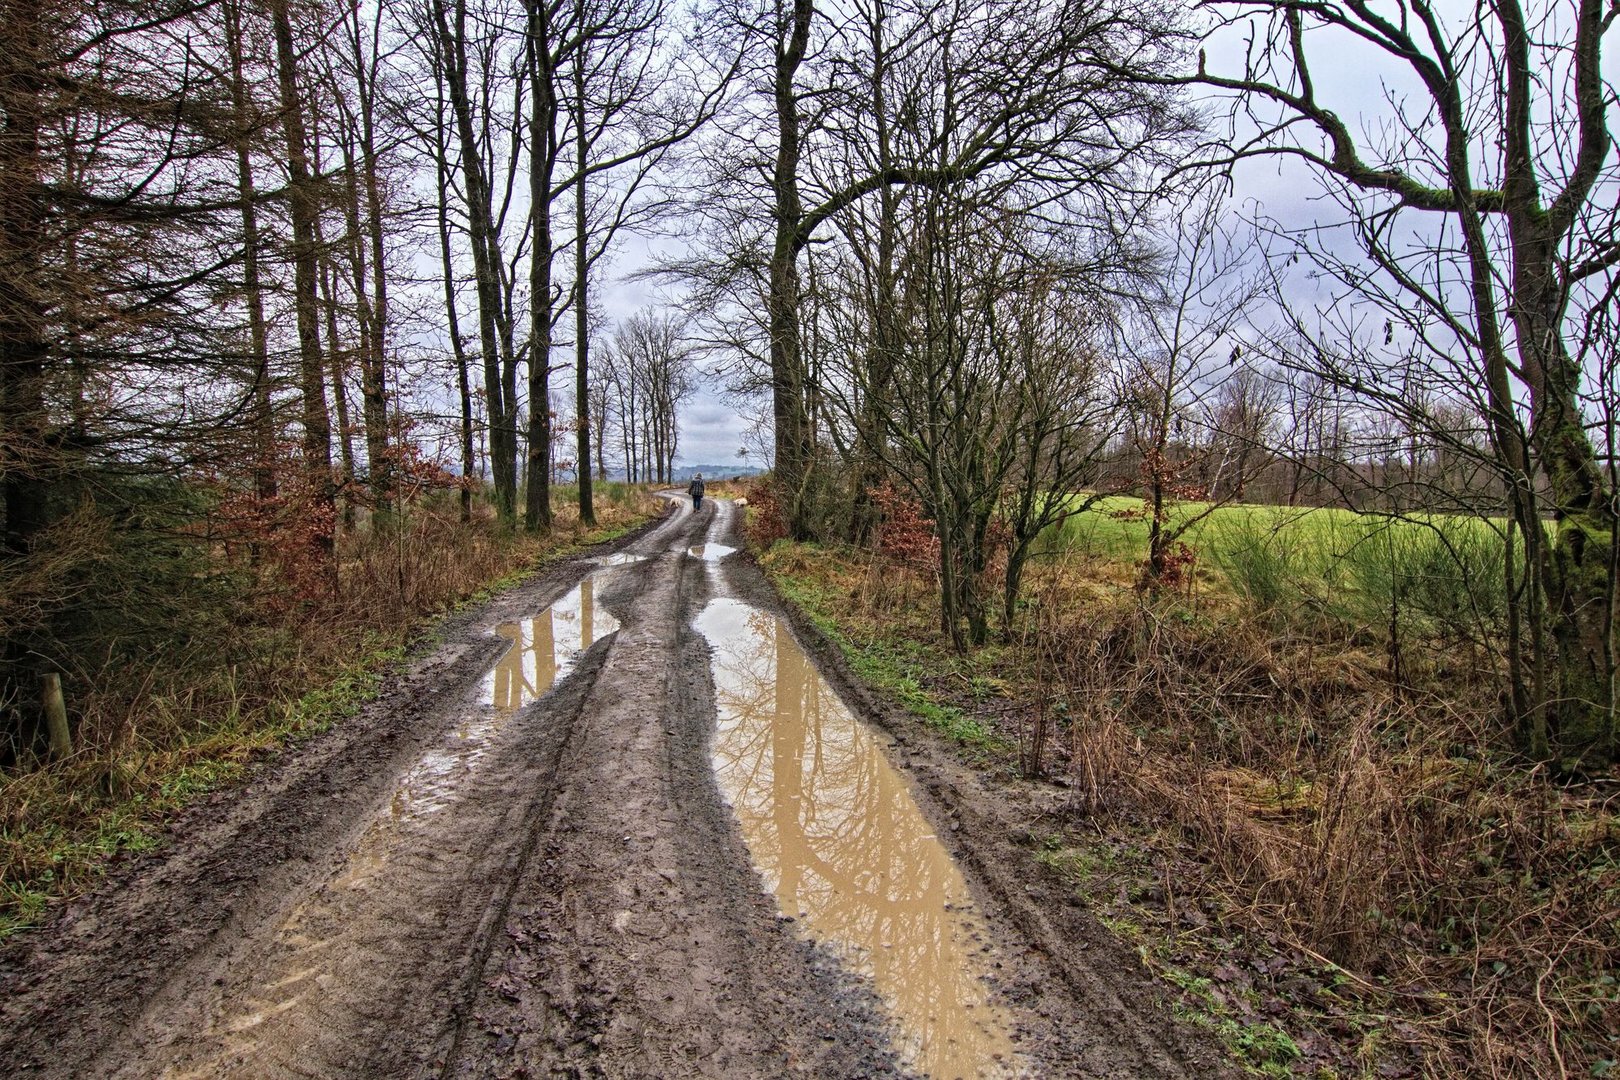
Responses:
[1381,830]
[1385,829]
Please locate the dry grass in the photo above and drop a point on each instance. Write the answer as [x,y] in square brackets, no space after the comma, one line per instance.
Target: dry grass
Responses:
[1436,904]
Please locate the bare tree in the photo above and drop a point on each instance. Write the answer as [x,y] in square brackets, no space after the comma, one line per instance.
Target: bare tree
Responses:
[472,107]
[1018,89]
[438,140]
[653,364]
[1497,157]
[997,407]
[1183,344]
[631,104]
[244,123]
[355,84]
[305,209]
[546,49]
[1242,417]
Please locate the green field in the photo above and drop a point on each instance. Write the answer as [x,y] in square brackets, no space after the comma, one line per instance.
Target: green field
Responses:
[1444,571]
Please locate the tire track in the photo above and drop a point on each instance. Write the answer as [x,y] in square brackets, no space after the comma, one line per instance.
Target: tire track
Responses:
[395,940]
[321,990]
[528,874]
[643,946]
[151,975]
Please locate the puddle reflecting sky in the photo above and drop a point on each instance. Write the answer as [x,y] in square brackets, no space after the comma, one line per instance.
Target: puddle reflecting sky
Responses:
[710,552]
[833,829]
[546,647]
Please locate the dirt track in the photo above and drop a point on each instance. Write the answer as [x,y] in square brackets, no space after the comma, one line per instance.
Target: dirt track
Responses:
[519,861]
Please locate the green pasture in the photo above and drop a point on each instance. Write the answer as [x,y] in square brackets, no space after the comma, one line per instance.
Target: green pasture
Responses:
[1443,573]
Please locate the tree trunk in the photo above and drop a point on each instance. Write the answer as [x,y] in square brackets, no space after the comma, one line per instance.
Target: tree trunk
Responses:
[792,447]
[542,165]
[24,453]
[27,461]
[883,352]
[1011,582]
[599,416]
[364,322]
[373,362]
[264,432]
[582,407]
[458,353]
[327,281]
[1580,585]
[303,211]
[486,270]
[340,391]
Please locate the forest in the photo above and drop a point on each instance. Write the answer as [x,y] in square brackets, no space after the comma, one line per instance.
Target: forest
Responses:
[1282,322]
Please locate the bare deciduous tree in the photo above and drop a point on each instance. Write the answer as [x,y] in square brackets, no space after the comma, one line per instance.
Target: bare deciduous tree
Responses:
[1497,158]
[650,364]
[1183,348]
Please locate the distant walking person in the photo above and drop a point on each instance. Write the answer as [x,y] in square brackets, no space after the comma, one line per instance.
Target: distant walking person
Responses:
[695,489]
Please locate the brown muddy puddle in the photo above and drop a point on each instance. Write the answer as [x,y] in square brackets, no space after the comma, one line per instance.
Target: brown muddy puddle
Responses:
[834,831]
[319,951]
[546,647]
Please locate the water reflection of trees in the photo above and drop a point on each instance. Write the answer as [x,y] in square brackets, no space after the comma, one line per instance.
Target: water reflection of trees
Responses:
[836,833]
[545,647]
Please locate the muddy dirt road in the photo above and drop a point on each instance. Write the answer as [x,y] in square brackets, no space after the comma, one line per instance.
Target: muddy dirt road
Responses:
[623,821]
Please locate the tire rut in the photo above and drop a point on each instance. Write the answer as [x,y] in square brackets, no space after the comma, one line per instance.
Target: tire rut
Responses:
[643,946]
[535,877]
[328,986]
[123,968]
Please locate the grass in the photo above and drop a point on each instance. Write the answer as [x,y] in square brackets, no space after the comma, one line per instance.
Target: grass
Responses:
[1290,787]
[67,841]
[1260,1047]
[899,665]
[272,670]
[1110,529]
[1420,577]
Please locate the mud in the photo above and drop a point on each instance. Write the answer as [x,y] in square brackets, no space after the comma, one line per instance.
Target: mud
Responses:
[574,838]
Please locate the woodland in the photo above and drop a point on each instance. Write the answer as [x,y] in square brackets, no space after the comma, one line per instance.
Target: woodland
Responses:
[311,327]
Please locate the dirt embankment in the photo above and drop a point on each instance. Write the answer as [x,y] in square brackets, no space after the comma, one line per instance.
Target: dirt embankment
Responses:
[517,861]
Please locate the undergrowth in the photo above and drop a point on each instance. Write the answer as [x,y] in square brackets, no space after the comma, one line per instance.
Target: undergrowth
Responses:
[1314,829]
[262,667]
[898,665]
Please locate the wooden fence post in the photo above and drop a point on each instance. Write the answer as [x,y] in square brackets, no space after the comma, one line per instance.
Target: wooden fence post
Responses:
[56,715]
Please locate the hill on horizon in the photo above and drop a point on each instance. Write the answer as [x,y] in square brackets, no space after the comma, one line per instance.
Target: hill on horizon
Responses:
[712,471]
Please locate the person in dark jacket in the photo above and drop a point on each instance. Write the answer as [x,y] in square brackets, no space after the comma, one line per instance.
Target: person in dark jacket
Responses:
[695,489]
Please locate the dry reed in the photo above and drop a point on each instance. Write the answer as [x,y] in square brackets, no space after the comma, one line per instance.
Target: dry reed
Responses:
[1383,835]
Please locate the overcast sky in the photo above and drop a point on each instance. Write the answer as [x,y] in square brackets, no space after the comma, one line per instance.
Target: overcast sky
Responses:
[713,431]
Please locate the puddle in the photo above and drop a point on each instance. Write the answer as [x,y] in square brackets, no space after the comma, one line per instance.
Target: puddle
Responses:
[317,953]
[622,558]
[710,552]
[833,829]
[546,648]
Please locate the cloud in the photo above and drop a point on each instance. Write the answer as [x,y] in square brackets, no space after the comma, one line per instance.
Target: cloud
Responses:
[711,432]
